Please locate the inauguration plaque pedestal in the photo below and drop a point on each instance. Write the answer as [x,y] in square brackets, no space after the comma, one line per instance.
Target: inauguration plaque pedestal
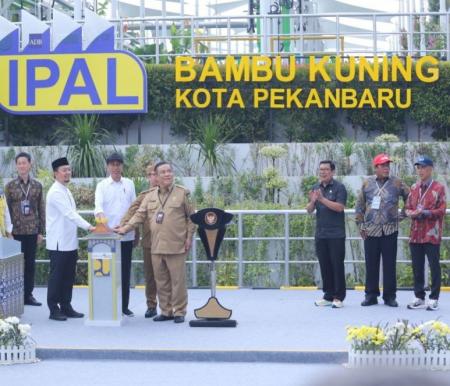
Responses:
[11,278]
[212,224]
[104,274]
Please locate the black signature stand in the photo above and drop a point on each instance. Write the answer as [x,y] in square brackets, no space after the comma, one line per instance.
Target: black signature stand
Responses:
[212,224]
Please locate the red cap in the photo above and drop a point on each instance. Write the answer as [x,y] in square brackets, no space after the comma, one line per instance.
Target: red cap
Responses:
[381,159]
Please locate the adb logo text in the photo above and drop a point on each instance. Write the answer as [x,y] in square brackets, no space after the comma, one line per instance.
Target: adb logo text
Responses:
[68,68]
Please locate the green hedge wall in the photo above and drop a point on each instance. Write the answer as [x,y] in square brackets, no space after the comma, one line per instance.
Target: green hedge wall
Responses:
[430,107]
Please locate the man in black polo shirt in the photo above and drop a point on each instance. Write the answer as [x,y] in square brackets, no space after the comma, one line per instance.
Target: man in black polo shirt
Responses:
[329,197]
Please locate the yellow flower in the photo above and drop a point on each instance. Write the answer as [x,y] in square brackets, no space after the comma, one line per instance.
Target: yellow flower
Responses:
[379,338]
[441,328]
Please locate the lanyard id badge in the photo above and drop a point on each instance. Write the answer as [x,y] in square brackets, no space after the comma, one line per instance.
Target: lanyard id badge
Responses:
[160,214]
[25,207]
[420,204]
[376,202]
[159,217]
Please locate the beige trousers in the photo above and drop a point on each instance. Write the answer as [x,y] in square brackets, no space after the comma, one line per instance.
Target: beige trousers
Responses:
[170,276]
[150,283]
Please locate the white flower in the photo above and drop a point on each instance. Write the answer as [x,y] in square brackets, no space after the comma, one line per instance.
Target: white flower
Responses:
[400,326]
[12,320]
[426,325]
[5,327]
[24,329]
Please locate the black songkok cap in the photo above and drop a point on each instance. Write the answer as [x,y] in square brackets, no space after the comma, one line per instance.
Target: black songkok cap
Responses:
[59,162]
[114,157]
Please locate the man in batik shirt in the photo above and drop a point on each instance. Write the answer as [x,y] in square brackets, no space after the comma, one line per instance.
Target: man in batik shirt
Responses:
[426,207]
[377,217]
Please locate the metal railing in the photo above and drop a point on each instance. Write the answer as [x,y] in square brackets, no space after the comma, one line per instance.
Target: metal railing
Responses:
[361,34]
[287,238]
[345,34]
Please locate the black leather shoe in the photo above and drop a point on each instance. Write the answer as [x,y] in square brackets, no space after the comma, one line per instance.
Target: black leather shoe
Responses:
[179,319]
[128,313]
[162,318]
[71,313]
[58,315]
[150,313]
[391,303]
[31,301]
[369,302]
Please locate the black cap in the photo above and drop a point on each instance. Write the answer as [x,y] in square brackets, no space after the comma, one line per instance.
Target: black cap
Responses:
[59,162]
[114,157]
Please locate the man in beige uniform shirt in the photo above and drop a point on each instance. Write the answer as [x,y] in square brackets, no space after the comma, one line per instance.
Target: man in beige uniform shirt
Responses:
[167,208]
[150,284]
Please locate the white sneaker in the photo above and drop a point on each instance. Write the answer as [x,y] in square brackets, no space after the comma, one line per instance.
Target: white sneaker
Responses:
[417,304]
[432,305]
[323,303]
[337,304]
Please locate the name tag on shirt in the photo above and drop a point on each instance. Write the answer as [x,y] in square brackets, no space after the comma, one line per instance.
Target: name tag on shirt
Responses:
[376,202]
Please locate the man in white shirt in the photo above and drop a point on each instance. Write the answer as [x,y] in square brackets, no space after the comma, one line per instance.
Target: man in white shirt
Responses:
[113,196]
[62,221]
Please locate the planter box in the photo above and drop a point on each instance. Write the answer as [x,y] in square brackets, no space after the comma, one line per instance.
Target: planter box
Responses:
[18,354]
[417,359]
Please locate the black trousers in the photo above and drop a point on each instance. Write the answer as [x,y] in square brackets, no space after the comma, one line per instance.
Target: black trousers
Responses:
[62,276]
[331,255]
[418,252]
[126,248]
[28,244]
[384,247]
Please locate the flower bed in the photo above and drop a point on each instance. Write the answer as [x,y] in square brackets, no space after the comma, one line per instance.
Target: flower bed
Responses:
[16,345]
[424,346]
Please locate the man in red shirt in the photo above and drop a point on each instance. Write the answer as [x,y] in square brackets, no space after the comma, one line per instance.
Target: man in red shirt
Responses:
[426,206]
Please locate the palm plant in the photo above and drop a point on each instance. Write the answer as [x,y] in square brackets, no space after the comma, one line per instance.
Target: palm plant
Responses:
[85,144]
[208,135]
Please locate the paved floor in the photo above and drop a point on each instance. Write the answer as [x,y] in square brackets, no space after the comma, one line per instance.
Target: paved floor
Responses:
[284,323]
[112,373]
[137,373]
[280,320]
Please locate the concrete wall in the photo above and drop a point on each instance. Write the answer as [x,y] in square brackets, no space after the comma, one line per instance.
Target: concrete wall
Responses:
[302,159]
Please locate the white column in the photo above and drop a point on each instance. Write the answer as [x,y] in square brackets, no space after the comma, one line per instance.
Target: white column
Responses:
[401,9]
[265,25]
[164,24]
[142,23]
[442,6]
[77,9]
[422,29]
[409,26]
[114,9]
